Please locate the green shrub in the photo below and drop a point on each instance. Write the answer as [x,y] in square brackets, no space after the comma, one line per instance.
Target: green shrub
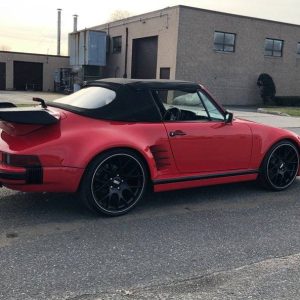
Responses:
[287,100]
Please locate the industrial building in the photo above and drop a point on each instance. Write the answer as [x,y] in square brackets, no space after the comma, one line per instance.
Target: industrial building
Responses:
[29,71]
[225,52]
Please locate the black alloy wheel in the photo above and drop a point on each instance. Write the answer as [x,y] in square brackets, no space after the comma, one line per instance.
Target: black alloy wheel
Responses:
[280,166]
[114,182]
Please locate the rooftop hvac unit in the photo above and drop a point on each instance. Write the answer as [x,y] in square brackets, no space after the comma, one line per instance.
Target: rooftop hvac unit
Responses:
[87,47]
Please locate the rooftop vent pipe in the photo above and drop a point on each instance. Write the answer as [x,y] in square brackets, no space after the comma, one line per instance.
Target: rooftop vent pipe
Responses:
[75,17]
[58,29]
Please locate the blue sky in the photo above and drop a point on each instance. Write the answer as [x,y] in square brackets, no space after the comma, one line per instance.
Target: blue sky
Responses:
[30,26]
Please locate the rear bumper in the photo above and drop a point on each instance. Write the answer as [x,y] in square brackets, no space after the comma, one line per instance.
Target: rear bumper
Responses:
[47,179]
[4,175]
[12,175]
[17,175]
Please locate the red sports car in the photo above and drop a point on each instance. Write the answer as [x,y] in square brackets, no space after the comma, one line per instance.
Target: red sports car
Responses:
[115,137]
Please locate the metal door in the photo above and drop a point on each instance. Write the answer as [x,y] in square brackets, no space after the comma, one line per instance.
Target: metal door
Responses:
[2,76]
[144,58]
[28,76]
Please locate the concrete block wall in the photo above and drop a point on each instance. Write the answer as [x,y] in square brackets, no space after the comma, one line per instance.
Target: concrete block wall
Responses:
[232,77]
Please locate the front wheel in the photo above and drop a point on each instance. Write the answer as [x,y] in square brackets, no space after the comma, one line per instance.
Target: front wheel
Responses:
[114,182]
[280,166]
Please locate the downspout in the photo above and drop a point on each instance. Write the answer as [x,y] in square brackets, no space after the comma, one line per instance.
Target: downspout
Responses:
[126,54]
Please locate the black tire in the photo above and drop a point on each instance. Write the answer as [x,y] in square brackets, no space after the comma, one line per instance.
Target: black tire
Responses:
[280,166]
[114,182]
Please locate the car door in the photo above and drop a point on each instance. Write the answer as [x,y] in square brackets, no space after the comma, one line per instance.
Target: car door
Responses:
[200,139]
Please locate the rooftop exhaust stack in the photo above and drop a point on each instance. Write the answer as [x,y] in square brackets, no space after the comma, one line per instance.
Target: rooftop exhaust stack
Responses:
[58,29]
[75,23]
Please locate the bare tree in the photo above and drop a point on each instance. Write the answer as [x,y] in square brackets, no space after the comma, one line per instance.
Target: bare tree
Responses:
[119,15]
[5,48]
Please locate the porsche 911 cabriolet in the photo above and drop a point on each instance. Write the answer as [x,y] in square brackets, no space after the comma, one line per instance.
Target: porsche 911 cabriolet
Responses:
[114,138]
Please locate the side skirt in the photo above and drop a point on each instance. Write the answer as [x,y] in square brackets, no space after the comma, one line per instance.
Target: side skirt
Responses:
[203,180]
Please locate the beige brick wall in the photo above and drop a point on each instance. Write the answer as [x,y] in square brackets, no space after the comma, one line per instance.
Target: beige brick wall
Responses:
[162,23]
[232,77]
[50,63]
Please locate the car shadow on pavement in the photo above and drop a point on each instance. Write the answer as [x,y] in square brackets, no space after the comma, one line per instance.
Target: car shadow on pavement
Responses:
[57,206]
[230,197]
[16,207]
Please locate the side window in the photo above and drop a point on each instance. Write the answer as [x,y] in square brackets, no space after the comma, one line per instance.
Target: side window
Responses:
[176,105]
[212,110]
[181,105]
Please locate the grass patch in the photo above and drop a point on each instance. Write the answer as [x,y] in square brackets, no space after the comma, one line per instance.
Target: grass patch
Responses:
[292,111]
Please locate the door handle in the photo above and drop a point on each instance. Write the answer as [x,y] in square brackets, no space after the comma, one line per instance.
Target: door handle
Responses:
[176,132]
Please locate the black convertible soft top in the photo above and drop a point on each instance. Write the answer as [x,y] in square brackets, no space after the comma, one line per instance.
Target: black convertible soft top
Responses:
[139,84]
[134,101]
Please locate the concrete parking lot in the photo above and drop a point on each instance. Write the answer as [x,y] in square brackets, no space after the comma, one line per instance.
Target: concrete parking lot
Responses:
[234,241]
[26,97]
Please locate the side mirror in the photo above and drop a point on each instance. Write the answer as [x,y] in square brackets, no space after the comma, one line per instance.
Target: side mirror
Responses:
[228,117]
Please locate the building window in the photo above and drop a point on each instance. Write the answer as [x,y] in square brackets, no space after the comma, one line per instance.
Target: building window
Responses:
[298,48]
[224,41]
[273,47]
[117,44]
[164,73]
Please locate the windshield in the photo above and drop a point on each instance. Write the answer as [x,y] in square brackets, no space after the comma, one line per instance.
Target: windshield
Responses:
[89,98]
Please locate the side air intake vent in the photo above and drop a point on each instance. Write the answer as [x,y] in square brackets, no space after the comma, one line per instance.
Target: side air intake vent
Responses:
[161,156]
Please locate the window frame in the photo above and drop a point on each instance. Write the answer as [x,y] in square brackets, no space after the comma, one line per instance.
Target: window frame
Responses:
[223,44]
[272,50]
[117,49]
[211,100]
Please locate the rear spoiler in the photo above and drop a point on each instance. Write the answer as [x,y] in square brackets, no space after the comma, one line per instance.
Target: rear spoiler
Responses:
[29,115]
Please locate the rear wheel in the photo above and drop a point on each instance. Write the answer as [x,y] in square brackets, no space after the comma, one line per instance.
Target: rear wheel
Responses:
[280,166]
[114,182]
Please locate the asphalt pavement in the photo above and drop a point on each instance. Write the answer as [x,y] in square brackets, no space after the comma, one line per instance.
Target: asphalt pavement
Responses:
[225,242]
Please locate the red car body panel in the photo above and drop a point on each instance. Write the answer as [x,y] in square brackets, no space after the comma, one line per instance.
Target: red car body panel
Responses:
[211,146]
[209,153]
[264,137]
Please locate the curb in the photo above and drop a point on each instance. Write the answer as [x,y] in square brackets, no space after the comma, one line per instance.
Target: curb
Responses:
[270,112]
